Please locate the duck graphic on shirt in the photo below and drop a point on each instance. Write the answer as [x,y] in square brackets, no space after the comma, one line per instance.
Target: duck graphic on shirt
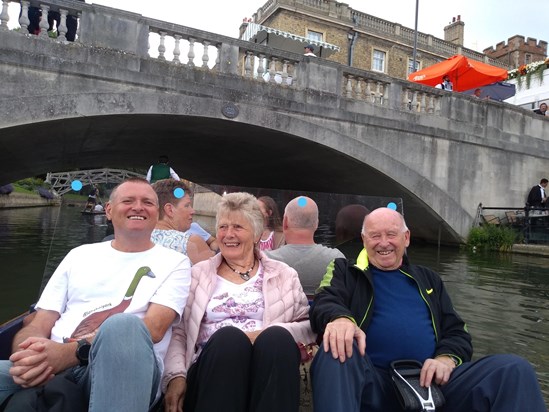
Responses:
[89,326]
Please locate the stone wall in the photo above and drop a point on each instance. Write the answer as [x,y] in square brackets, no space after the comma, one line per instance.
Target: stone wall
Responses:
[14,200]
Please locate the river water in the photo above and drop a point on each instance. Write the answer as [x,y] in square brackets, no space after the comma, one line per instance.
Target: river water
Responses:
[504,298]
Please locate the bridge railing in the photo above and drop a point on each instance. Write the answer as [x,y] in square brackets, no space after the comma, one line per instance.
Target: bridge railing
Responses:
[123,31]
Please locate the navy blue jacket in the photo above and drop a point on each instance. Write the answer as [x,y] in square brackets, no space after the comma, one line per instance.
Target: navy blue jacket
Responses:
[347,291]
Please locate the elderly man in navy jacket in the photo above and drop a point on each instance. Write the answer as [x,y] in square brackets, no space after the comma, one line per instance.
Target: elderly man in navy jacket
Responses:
[410,316]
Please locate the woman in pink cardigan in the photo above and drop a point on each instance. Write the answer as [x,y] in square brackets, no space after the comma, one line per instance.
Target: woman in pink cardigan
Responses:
[237,347]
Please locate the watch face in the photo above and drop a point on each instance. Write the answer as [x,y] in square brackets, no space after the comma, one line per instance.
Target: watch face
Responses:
[83,351]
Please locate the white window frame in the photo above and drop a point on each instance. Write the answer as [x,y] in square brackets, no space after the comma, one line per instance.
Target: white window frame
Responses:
[410,64]
[315,35]
[383,62]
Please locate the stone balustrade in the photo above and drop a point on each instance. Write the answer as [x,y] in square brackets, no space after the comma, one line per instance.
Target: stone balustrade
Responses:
[199,50]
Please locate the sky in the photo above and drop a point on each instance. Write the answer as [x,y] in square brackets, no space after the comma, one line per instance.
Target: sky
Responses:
[487,22]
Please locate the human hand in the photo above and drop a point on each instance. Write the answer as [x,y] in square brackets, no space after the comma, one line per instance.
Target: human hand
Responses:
[30,364]
[438,369]
[338,338]
[175,393]
[39,359]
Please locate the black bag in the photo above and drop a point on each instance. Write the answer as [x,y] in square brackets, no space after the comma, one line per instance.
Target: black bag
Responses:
[60,394]
[412,396]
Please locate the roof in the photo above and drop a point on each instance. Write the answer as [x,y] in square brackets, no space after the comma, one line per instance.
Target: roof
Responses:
[282,40]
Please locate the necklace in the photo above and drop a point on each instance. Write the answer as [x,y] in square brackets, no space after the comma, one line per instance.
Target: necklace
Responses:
[244,275]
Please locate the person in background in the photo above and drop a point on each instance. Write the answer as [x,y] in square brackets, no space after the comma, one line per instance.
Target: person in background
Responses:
[196,229]
[272,236]
[300,252]
[309,50]
[106,315]
[384,309]
[446,84]
[537,197]
[161,170]
[477,93]
[237,347]
[175,219]
[93,197]
[542,109]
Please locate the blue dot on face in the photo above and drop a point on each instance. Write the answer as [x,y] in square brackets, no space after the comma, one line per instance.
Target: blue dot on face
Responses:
[76,185]
[301,202]
[392,206]
[178,193]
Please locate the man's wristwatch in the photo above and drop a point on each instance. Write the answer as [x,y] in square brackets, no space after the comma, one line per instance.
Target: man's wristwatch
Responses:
[83,351]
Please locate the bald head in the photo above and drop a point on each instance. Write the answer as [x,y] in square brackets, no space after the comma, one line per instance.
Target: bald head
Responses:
[302,213]
[300,220]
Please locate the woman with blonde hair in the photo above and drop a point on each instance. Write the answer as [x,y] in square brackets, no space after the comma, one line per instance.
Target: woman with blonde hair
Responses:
[237,347]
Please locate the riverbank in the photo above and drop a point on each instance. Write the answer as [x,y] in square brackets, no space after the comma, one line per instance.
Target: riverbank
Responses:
[15,200]
[538,250]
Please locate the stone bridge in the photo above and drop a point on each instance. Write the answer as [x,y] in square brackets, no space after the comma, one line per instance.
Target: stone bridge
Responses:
[232,112]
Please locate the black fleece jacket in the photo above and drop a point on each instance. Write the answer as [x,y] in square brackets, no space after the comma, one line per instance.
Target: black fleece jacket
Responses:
[347,291]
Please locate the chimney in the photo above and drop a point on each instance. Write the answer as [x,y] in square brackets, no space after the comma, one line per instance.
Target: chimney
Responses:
[454,32]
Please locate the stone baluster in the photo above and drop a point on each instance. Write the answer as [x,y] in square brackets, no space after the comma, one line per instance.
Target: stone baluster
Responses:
[44,26]
[78,20]
[4,16]
[177,49]
[405,100]
[162,46]
[349,87]
[284,74]
[248,64]
[191,54]
[431,104]
[358,88]
[415,102]
[218,57]
[385,94]
[205,57]
[261,66]
[368,91]
[24,18]
[379,94]
[423,106]
[272,69]
[62,29]
[294,72]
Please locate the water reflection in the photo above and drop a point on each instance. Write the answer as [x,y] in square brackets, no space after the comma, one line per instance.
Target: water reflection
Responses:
[502,297]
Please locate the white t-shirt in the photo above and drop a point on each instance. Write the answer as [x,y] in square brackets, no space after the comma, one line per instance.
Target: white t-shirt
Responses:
[97,277]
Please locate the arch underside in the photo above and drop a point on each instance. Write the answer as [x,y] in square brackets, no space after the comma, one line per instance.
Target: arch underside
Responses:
[206,151]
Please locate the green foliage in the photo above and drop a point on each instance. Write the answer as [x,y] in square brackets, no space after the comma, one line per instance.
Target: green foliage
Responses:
[30,183]
[492,237]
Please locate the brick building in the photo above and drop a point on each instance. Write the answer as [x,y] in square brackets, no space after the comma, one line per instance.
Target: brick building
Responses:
[518,51]
[365,41]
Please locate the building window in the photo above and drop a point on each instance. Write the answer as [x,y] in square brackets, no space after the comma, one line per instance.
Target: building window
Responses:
[411,65]
[527,58]
[315,35]
[378,61]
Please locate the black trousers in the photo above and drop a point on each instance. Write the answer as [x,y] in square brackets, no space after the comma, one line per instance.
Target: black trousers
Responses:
[232,375]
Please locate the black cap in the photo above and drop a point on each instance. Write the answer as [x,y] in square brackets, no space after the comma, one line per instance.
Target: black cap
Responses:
[311,47]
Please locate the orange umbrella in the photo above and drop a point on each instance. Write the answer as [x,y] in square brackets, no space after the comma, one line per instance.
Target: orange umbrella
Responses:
[464,73]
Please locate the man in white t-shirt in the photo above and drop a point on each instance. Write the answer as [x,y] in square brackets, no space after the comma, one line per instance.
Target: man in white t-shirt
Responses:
[308,258]
[105,316]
